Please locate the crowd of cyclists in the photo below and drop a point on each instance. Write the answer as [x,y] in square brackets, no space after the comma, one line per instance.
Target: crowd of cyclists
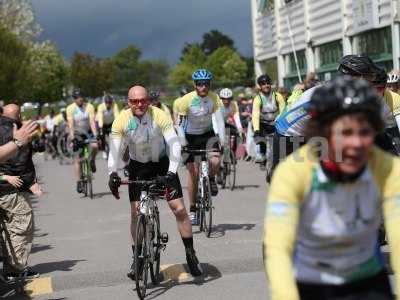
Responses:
[328,148]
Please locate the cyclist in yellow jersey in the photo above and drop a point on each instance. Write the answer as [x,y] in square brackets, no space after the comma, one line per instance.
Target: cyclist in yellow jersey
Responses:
[155,101]
[106,114]
[327,200]
[196,111]
[147,131]
[81,123]
[183,91]
[362,66]
[267,105]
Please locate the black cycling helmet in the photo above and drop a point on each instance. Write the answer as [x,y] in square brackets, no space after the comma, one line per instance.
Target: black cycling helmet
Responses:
[345,95]
[76,93]
[263,79]
[356,65]
[183,91]
[154,95]
[108,98]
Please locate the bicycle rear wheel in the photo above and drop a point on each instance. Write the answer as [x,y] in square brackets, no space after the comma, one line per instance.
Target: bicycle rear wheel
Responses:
[207,208]
[232,171]
[141,257]
[89,180]
[156,242]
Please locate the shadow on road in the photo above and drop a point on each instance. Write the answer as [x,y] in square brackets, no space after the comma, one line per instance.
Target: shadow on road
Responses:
[220,229]
[37,248]
[101,195]
[211,273]
[246,186]
[64,265]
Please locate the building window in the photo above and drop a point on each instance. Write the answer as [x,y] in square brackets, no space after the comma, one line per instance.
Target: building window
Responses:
[270,67]
[301,59]
[329,55]
[375,42]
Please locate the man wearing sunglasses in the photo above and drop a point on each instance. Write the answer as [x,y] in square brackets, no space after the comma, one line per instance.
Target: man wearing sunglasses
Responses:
[195,113]
[154,150]
[267,105]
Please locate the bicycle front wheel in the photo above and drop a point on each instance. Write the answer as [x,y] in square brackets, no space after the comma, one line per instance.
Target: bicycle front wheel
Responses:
[156,242]
[141,257]
[232,171]
[207,207]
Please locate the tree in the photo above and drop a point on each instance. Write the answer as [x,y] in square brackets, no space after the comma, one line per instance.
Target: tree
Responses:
[46,74]
[13,61]
[215,39]
[193,59]
[126,62]
[154,73]
[227,66]
[19,18]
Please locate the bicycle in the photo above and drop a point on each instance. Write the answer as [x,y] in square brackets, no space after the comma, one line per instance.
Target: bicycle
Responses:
[148,234]
[229,163]
[204,211]
[86,175]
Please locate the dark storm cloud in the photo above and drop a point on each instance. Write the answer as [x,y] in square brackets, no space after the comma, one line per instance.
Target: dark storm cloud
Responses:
[158,27]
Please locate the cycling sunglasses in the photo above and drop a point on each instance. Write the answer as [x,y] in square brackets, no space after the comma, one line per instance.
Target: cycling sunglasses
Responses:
[264,82]
[136,102]
[203,83]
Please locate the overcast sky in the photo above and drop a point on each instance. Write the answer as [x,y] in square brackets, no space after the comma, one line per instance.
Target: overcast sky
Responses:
[158,27]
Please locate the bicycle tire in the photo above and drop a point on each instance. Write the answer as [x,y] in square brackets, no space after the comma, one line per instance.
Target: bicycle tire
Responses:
[89,179]
[84,166]
[207,208]
[223,175]
[232,171]
[156,242]
[141,257]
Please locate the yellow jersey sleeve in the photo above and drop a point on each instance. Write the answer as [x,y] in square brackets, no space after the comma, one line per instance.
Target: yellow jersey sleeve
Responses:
[255,115]
[120,123]
[281,102]
[235,108]
[99,115]
[116,110]
[174,106]
[393,101]
[182,104]
[70,112]
[386,170]
[162,120]
[58,119]
[217,102]
[90,110]
[296,94]
[290,182]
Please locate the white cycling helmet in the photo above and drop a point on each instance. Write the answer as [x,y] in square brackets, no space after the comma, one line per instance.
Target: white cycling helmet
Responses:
[393,78]
[226,93]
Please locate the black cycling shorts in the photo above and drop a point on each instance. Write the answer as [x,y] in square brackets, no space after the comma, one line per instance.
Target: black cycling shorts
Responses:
[149,171]
[107,129]
[374,288]
[204,141]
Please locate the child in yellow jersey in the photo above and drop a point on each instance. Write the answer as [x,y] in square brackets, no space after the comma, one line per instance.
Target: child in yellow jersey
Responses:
[326,202]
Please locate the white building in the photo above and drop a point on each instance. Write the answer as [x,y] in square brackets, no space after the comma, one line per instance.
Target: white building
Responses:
[320,32]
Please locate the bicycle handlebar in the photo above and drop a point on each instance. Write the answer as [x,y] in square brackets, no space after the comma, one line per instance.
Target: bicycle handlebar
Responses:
[139,182]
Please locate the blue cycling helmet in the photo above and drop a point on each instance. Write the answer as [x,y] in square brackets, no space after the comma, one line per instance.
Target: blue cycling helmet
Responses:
[202,74]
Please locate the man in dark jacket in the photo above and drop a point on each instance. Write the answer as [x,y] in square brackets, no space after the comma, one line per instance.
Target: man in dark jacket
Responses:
[17,182]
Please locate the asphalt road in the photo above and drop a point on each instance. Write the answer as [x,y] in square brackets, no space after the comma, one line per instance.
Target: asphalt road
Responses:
[81,246]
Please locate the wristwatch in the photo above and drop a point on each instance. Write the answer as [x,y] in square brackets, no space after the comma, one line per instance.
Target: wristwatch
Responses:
[17,142]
